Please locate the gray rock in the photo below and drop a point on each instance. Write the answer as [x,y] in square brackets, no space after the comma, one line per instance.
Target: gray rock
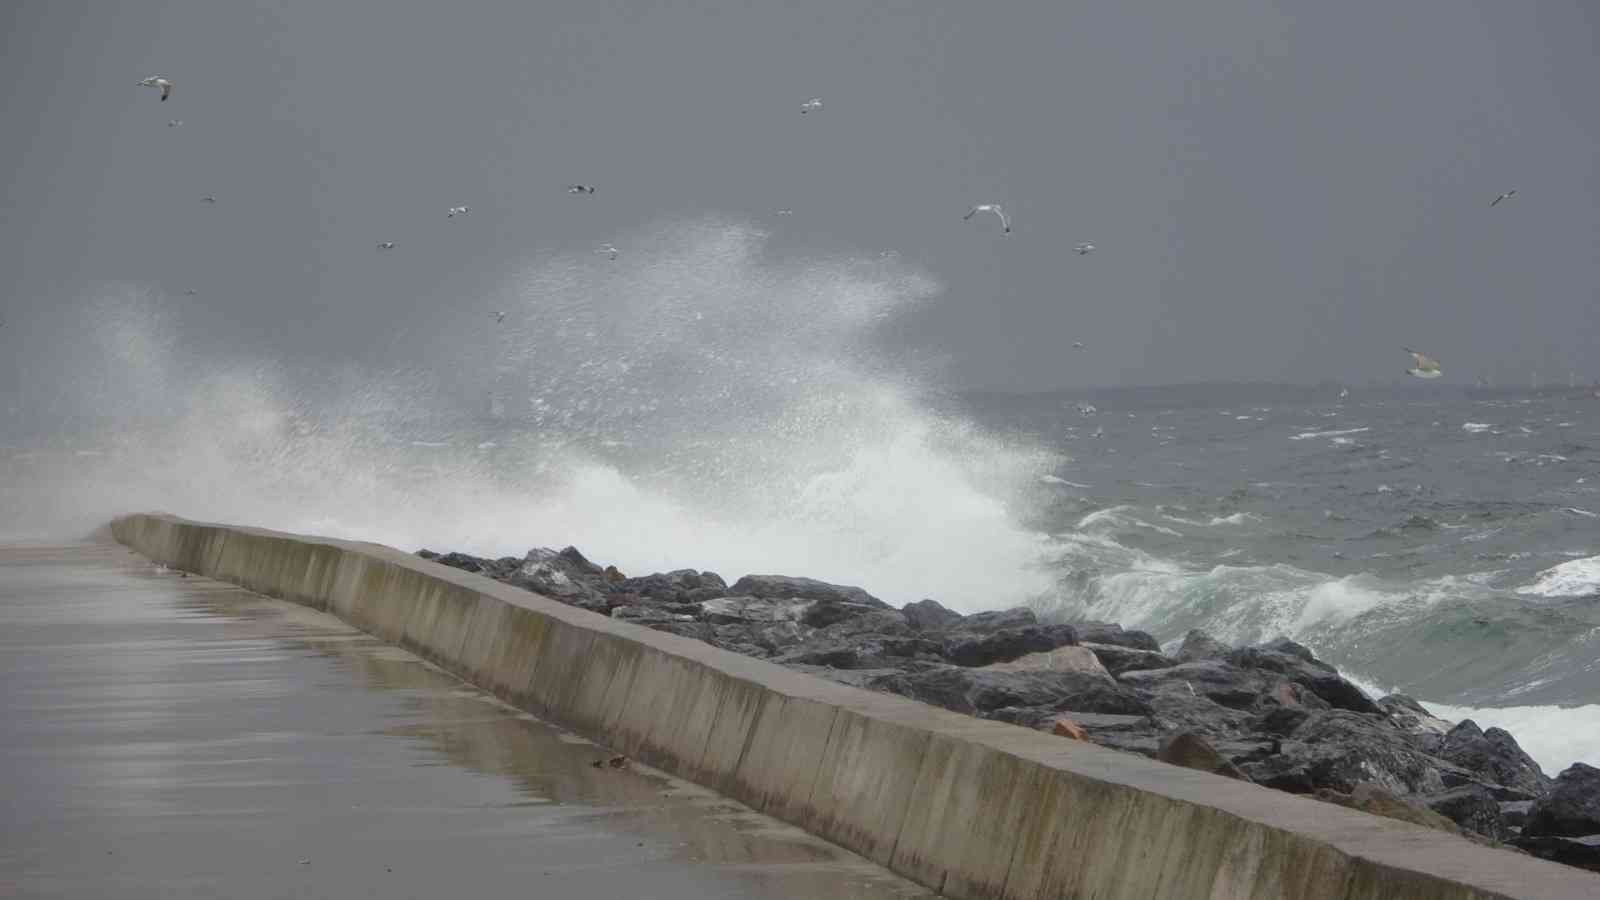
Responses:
[681,586]
[786,586]
[1114,635]
[1295,663]
[1583,852]
[648,615]
[747,610]
[1571,809]
[1213,679]
[1471,807]
[1515,812]
[1338,749]
[980,691]
[1118,659]
[1193,751]
[966,648]
[928,615]
[1494,756]
[1061,659]
[1199,645]
[1410,716]
[560,577]
[993,620]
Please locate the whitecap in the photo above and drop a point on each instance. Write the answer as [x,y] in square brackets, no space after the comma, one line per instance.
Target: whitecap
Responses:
[1476,427]
[1306,435]
[1569,579]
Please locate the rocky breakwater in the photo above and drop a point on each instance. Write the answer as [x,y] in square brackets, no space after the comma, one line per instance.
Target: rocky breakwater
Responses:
[1273,714]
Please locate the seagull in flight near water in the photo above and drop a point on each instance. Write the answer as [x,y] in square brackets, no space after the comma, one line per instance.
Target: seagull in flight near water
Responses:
[498,316]
[812,105]
[608,250]
[1506,196]
[159,81]
[174,123]
[208,199]
[1426,367]
[1083,249]
[457,211]
[579,189]
[1005,223]
[386,245]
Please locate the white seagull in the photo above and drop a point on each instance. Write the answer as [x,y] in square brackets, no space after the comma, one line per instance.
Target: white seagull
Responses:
[190,292]
[208,199]
[990,208]
[386,245]
[498,316]
[1506,196]
[812,105]
[579,189]
[1077,345]
[457,211]
[608,250]
[785,212]
[158,81]
[1083,249]
[174,123]
[1426,367]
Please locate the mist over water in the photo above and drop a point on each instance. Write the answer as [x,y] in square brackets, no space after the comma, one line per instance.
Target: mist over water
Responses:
[696,402]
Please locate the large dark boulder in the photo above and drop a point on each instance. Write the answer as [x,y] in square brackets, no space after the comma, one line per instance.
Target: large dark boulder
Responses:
[1213,679]
[787,586]
[1112,634]
[1199,645]
[981,691]
[1295,663]
[681,586]
[928,615]
[1495,757]
[1193,751]
[1413,718]
[966,648]
[993,620]
[1472,807]
[1338,749]
[565,576]
[1118,658]
[1583,852]
[1571,809]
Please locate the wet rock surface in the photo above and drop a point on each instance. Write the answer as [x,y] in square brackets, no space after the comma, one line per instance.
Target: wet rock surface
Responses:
[1272,713]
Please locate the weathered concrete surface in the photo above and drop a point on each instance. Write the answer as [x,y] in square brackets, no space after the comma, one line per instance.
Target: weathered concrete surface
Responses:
[168,737]
[969,807]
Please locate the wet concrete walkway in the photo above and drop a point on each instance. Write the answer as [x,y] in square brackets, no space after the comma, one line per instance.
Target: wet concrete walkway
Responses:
[167,736]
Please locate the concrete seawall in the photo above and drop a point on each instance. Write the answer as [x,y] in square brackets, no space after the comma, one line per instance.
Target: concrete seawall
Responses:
[968,807]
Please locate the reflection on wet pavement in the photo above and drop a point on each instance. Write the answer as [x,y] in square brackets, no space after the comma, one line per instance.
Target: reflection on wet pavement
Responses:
[169,736]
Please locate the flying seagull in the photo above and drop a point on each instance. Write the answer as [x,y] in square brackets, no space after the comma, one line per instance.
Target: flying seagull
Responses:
[457,211]
[190,292]
[1426,367]
[785,212]
[812,105]
[579,189]
[158,81]
[608,250]
[1506,196]
[174,123]
[1077,345]
[498,316]
[1083,249]
[386,245]
[208,199]
[990,208]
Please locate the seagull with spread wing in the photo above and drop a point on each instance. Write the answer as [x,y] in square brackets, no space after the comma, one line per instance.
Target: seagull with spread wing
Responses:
[1005,223]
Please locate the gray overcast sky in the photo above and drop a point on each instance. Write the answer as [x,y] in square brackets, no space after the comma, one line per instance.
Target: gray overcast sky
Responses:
[1279,190]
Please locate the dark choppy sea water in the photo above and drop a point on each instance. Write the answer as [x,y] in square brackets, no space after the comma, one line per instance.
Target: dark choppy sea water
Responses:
[1443,542]
[701,403]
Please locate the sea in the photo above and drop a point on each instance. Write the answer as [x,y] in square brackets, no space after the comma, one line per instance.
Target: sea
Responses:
[708,401]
